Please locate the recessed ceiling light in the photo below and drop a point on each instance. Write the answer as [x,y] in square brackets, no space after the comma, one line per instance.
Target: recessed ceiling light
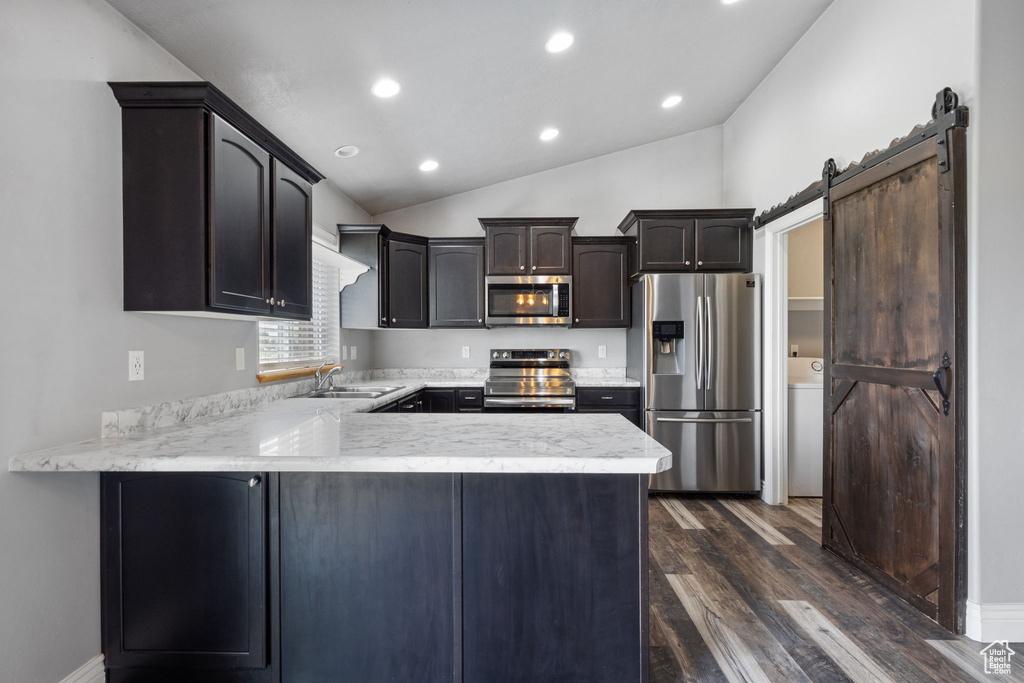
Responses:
[385,87]
[346,151]
[671,101]
[549,134]
[729,2]
[559,42]
[429,165]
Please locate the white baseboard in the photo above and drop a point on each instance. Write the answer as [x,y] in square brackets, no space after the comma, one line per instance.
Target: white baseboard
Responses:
[990,622]
[92,671]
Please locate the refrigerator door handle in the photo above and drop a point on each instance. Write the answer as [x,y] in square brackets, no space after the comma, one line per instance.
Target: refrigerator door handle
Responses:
[708,345]
[700,342]
[705,420]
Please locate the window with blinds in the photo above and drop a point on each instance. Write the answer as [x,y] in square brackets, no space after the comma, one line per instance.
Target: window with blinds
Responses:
[298,343]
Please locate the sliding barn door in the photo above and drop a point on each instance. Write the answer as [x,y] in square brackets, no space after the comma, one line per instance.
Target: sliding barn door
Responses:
[895,288]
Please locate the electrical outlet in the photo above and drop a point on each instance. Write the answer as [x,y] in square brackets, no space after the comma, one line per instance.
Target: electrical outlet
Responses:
[136,366]
[344,352]
[353,353]
[794,350]
[602,351]
[465,352]
[240,358]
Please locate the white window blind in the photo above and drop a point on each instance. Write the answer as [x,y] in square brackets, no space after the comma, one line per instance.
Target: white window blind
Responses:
[298,343]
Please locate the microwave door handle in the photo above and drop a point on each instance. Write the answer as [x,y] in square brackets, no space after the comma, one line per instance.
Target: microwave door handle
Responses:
[554,301]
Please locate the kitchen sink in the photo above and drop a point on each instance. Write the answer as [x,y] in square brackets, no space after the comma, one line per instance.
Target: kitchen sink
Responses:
[350,392]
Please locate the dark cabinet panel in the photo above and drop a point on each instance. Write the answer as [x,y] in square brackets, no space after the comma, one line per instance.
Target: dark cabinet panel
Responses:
[724,244]
[691,240]
[407,284]
[666,245]
[369,577]
[438,401]
[456,283]
[291,249]
[554,569]
[213,221]
[600,283]
[240,224]
[622,400]
[507,250]
[550,250]
[184,577]
[470,400]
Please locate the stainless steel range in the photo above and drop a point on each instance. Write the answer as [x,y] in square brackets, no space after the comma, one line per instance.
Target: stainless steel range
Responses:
[525,379]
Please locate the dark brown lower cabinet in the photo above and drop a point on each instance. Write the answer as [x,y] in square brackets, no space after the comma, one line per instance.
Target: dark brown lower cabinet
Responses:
[622,400]
[356,577]
[554,578]
[184,576]
[368,577]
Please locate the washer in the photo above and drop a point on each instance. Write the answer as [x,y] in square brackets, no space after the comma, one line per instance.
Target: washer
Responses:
[805,426]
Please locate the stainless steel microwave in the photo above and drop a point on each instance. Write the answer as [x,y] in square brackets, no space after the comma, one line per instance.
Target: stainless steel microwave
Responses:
[528,300]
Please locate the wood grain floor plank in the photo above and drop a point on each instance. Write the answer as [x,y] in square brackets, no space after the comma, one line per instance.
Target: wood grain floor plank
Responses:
[857,664]
[809,510]
[683,517]
[783,517]
[733,656]
[761,527]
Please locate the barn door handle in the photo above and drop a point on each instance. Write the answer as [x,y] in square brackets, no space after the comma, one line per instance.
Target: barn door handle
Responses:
[937,378]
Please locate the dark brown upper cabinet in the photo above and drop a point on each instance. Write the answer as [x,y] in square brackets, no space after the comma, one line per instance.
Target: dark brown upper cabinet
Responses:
[529,246]
[407,283]
[600,282]
[217,211]
[456,282]
[691,240]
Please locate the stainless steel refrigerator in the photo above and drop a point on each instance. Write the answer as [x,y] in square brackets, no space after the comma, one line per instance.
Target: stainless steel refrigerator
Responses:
[695,342]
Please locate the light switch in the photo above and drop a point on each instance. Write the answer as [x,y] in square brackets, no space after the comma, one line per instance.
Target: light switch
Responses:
[344,352]
[602,351]
[353,353]
[465,352]
[240,358]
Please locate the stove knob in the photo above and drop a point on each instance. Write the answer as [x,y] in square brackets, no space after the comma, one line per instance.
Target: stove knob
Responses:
[495,354]
[504,354]
[551,354]
[563,354]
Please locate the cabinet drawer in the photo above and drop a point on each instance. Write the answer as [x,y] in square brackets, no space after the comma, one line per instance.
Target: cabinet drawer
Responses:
[608,396]
[470,399]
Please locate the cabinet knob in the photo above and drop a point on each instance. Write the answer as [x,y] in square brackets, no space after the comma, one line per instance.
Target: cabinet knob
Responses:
[577,319]
[394,320]
[687,263]
[383,320]
[522,267]
[255,481]
[283,304]
[700,263]
[534,268]
[479,320]
[268,301]
[272,301]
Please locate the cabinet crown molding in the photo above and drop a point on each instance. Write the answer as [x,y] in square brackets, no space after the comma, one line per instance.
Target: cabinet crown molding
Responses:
[168,94]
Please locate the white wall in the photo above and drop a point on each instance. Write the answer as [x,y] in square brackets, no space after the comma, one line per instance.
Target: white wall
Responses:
[884,75]
[63,350]
[996,431]
[680,172]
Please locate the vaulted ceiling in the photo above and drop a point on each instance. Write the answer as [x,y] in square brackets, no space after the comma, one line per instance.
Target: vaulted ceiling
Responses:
[477,86]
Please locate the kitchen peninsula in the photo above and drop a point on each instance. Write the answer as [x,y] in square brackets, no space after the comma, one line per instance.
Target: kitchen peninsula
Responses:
[305,540]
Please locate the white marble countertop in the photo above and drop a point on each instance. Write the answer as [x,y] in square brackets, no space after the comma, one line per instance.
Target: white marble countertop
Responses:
[335,435]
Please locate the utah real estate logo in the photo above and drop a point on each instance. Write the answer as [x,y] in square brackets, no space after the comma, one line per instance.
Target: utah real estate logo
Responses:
[997,658]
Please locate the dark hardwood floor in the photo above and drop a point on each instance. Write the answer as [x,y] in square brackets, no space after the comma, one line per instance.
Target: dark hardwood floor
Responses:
[743,591]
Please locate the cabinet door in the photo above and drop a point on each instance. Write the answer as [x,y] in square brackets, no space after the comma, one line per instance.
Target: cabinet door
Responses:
[507,250]
[724,245]
[239,240]
[666,245]
[554,574]
[369,577]
[439,401]
[600,286]
[183,570]
[457,285]
[291,249]
[550,250]
[407,284]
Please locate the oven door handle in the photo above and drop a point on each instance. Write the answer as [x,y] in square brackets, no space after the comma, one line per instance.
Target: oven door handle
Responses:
[528,401]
